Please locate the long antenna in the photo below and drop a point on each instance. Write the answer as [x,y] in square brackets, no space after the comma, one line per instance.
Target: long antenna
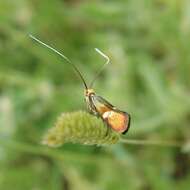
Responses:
[102,68]
[63,56]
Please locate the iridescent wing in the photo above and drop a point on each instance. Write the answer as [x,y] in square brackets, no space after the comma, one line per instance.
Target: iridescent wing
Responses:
[114,118]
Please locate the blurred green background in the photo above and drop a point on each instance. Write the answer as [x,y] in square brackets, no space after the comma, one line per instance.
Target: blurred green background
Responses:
[148,43]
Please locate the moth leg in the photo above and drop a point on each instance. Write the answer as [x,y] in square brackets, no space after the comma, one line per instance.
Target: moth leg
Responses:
[92,108]
[108,128]
[107,131]
[89,106]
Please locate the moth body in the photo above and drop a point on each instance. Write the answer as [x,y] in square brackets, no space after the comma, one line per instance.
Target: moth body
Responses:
[114,118]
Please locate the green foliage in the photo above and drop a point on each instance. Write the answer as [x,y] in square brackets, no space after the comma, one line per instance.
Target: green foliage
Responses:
[148,44]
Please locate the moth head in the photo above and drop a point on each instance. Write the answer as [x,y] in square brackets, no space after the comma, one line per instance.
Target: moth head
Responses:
[88,92]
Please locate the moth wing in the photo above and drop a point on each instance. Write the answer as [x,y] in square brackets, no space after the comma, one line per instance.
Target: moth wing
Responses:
[104,101]
[117,120]
[100,104]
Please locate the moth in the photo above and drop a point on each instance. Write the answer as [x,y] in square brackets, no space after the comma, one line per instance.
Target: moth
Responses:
[113,118]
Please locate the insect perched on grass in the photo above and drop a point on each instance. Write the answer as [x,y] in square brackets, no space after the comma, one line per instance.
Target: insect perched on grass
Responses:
[114,118]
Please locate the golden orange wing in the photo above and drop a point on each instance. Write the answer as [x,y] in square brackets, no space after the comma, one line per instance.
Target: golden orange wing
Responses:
[114,118]
[118,121]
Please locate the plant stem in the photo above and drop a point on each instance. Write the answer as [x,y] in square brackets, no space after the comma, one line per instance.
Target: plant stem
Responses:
[151,143]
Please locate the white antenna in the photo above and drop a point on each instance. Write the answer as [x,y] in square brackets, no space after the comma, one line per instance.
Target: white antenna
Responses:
[103,55]
[102,68]
[39,41]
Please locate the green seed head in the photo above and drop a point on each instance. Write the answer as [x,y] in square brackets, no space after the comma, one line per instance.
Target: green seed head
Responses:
[79,127]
